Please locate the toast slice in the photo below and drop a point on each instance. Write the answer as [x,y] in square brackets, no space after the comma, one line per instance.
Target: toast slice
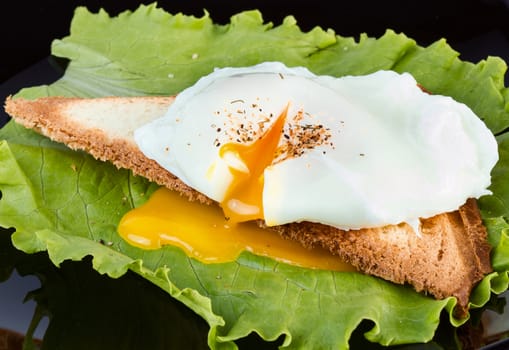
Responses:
[447,258]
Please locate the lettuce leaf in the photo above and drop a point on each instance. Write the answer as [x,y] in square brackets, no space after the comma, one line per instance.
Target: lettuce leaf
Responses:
[68,204]
[127,312]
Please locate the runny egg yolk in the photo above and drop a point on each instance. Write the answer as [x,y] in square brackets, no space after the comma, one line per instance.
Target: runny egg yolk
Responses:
[203,233]
[243,200]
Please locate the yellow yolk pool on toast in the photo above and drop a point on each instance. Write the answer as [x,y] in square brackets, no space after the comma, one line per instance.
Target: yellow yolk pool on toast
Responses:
[204,234]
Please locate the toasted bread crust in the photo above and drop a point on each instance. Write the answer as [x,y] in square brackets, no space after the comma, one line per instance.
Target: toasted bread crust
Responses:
[51,117]
[449,256]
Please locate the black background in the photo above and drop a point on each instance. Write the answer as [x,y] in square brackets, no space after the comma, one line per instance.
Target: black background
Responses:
[29,27]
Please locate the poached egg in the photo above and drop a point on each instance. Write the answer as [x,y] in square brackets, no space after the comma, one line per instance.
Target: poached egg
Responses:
[285,145]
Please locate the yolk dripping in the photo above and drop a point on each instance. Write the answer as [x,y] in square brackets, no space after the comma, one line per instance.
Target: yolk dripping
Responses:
[243,201]
[203,233]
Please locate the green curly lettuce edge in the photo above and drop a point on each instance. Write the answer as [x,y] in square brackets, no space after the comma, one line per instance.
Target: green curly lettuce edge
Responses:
[68,204]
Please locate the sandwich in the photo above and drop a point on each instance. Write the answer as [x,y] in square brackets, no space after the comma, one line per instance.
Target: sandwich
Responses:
[443,256]
[450,248]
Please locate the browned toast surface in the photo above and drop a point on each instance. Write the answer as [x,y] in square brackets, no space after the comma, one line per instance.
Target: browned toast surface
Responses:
[87,125]
[448,257]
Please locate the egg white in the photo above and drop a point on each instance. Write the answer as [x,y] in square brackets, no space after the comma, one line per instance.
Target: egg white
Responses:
[395,153]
